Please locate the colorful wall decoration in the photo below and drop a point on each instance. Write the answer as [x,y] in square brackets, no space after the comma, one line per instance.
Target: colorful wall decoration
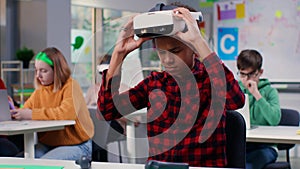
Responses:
[231,10]
[271,27]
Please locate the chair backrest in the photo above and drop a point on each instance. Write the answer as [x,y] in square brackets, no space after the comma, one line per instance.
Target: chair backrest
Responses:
[289,117]
[236,140]
[101,128]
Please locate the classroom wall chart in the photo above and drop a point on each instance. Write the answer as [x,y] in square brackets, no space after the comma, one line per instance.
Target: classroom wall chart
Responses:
[270,26]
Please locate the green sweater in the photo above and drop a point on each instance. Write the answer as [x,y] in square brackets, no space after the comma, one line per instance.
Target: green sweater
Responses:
[266,110]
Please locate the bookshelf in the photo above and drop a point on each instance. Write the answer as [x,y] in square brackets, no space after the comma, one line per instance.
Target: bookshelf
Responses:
[25,76]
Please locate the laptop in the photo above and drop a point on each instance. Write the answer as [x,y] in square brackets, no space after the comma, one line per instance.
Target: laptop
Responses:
[4,106]
[245,112]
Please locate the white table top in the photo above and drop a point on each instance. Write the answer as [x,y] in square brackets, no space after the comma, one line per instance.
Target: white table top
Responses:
[71,164]
[274,134]
[29,126]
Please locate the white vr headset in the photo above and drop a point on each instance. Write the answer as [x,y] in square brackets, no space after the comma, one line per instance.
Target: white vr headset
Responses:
[157,23]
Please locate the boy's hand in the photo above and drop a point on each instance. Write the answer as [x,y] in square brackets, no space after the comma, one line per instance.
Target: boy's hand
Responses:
[192,37]
[253,89]
[126,42]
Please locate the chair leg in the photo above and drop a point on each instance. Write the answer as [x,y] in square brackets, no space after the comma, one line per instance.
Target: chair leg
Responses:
[287,156]
[120,153]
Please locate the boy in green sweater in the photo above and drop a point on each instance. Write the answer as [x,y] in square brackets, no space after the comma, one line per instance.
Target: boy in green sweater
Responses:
[264,106]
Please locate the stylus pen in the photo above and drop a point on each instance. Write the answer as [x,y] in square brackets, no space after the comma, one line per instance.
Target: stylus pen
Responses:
[11,105]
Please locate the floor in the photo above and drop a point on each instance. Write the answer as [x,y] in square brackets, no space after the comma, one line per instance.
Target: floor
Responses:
[295,162]
[294,157]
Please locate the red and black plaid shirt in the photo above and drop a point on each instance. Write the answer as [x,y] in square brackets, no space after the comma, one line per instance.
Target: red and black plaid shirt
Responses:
[177,116]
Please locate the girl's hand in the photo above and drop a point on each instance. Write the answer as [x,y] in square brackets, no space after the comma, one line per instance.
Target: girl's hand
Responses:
[21,114]
[11,103]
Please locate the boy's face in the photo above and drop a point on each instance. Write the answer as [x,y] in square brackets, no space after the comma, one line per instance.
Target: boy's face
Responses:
[174,55]
[249,74]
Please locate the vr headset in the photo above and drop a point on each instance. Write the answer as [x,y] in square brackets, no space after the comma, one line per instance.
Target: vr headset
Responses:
[160,21]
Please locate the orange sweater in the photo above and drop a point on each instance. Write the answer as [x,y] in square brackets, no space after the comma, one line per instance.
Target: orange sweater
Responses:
[65,104]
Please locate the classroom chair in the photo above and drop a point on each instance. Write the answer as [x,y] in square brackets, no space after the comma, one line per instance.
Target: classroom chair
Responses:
[114,135]
[102,136]
[289,117]
[236,140]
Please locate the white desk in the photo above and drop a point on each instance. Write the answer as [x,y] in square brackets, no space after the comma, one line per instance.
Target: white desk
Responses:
[71,164]
[273,134]
[28,128]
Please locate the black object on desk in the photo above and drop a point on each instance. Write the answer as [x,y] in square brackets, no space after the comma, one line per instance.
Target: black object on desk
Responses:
[152,164]
[84,162]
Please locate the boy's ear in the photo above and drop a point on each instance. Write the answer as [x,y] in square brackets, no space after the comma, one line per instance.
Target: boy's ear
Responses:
[261,71]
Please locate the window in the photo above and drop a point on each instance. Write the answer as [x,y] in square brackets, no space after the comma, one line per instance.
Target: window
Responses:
[94,34]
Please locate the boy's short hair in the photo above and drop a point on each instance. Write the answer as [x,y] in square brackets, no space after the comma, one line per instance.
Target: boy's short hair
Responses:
[179,4]
[171,6]
[249,58]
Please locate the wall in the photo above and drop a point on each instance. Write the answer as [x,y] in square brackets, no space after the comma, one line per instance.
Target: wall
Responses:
[271,27]
[33,24]
[2,27]
[59,26]
[45,23]
[11,30]
[130,5]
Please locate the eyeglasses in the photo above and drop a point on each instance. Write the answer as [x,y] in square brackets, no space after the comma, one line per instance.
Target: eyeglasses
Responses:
[252,74]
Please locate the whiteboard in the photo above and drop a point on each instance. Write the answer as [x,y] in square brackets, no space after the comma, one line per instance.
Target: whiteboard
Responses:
[270,26]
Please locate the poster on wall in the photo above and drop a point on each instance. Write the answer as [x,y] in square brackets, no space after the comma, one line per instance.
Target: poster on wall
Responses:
[227,43]
[81,42]
[231,10]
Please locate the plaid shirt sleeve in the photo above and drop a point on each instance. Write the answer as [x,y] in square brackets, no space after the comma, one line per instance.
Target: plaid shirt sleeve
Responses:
[114,105]
[219,74]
